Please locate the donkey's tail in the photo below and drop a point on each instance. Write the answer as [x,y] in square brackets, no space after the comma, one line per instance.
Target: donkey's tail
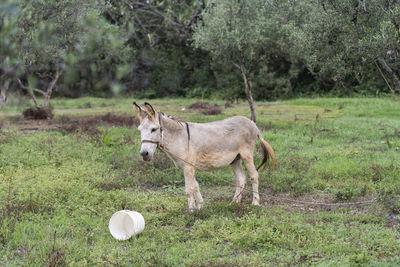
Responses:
[268,152]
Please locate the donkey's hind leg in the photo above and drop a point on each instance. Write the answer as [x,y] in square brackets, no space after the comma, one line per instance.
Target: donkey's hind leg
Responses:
[253,173]
[240,179]
[192,189]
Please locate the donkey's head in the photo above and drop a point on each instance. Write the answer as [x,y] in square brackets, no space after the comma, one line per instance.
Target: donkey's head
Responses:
[150,130]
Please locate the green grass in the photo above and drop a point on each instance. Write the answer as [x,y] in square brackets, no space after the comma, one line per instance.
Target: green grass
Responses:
[58,190]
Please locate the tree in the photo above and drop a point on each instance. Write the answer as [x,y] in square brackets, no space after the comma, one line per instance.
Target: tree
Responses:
[342,40]
[54,35]
[9,64]
[163,63]
[155,22]
[99,64]
[44,37]
[48,31]
[243,33]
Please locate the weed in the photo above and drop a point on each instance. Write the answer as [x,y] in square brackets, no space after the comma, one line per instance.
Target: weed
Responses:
[296,184]
[391,200]
[347,193]
[6,137]
[88,105]
[10,214]
[56,255]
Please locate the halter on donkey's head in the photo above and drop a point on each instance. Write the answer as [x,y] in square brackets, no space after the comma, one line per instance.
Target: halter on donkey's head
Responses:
[151,114]
[149,126]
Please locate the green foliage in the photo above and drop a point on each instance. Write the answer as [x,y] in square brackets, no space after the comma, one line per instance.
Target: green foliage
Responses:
[48,31]
[340,40]
[72,36]
[243,34]
[9,12]
[99,62]
[186,48]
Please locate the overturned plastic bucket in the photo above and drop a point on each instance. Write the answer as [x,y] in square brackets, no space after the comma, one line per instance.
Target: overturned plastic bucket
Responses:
[126,223]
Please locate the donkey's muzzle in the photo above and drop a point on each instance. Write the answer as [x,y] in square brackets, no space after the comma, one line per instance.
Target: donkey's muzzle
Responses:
[145,155]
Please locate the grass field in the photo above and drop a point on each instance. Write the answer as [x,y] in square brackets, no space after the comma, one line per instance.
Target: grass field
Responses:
[62,179]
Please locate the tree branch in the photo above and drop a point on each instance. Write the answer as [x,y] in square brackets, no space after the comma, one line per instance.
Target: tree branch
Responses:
[30,92]
[393,75]
[3,92]
[49,90]
[39,91]
[387,83]
[155,11]
[237,65]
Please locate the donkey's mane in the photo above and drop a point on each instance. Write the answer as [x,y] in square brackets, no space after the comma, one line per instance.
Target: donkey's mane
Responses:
[180,122]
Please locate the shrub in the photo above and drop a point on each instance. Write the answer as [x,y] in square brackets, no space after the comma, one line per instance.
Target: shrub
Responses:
[38,113]
[214,110]
[206,108]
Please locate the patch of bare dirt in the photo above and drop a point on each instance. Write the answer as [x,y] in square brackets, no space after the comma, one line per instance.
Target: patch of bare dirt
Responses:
[314,202]
[206,108]
[88,123]
[71,124]
[214,110]
[392,221]
[200,105]
[266,104]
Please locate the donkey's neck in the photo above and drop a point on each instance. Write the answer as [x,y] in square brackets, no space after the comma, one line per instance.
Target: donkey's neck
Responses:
[171,124]
[174,134]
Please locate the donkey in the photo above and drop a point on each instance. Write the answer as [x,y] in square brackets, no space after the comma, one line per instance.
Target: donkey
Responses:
[204,146]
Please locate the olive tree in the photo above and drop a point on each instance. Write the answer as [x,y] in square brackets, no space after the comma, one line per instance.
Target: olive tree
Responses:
[53,36]
[47,30]
[157,21]
[344,39]
[242,33]
[8,50]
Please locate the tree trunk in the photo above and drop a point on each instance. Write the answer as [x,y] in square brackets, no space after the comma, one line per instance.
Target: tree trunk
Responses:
[3,92]
[250,97]
[392,74]
[46,94]
[49,90]
[247,89]
[30,92]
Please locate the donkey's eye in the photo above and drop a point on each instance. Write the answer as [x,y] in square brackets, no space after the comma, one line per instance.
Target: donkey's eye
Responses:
[153,130]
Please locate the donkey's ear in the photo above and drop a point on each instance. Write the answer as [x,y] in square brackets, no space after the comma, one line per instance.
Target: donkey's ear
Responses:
[139,111]
[150,111]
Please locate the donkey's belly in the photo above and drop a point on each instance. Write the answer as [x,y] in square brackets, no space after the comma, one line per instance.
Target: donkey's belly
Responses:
[215,160]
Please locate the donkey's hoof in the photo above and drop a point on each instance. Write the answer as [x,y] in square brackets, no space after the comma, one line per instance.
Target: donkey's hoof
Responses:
[255,203]
[191,209]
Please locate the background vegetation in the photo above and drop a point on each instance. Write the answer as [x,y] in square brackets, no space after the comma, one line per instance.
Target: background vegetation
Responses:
[190,48]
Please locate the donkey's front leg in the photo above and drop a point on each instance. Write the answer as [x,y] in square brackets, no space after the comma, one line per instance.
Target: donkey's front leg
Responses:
[192,189]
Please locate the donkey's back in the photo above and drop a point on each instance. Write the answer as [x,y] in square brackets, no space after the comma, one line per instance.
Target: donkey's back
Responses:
[217,144]
[233,130]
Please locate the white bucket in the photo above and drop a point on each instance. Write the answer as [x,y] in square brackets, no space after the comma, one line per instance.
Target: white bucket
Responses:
[125,223]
